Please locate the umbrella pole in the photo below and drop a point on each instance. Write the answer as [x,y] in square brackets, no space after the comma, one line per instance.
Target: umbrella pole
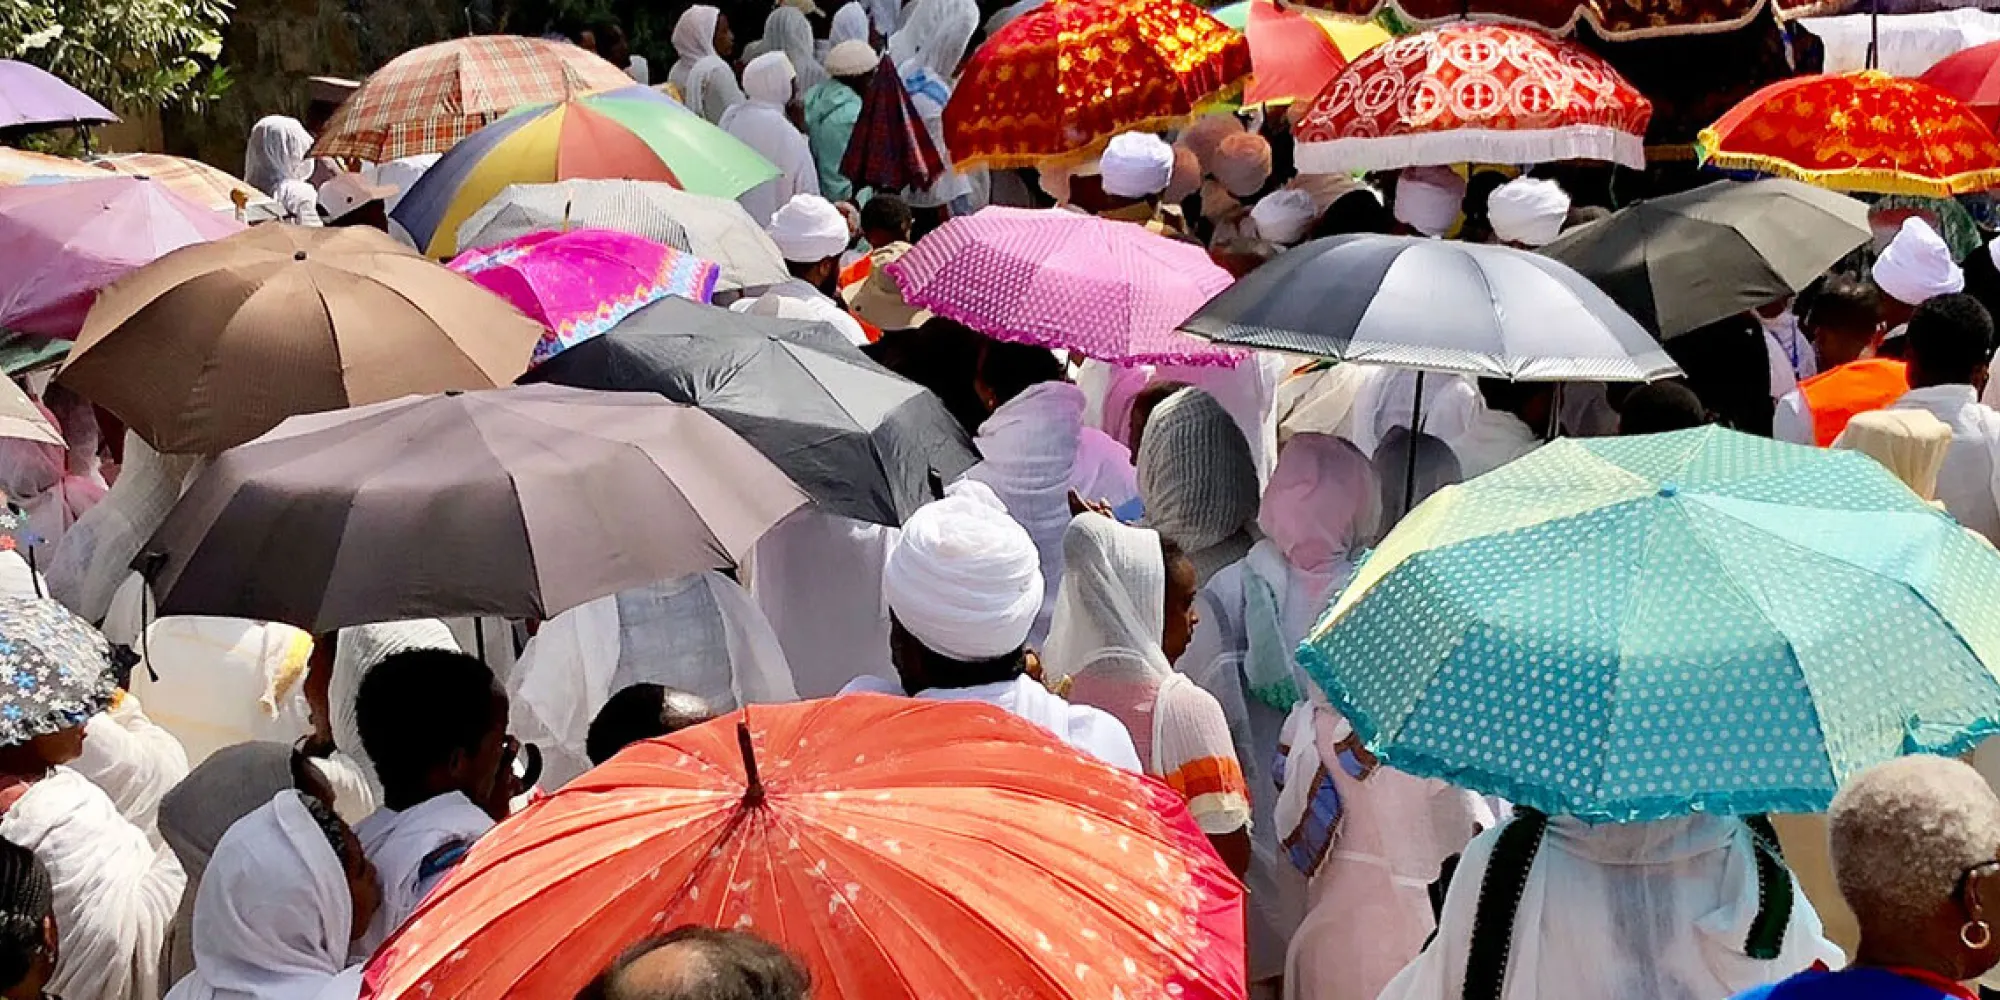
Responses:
[1874,30]
[753,795]
[34,574]
[479,636]
[1416,425]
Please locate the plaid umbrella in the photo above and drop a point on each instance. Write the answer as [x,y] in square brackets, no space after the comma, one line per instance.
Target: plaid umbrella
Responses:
[890,149]
[427,99]
[197,181]
[57,668]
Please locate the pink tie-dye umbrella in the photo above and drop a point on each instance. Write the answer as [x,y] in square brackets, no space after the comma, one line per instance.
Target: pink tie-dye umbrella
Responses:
[1114,291]
[581,282]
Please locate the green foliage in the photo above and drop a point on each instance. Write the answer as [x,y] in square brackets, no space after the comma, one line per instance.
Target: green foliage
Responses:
[125,53]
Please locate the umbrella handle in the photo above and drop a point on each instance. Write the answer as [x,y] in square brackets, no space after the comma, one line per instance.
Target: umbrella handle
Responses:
[753,796]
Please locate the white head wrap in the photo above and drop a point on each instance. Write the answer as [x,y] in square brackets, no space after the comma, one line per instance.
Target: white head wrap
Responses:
[272,916]
[851,58]
[694,33]
[1136,165]
[711,89]
[884,15]
[1198,479]
[1284,216]
[1917,266]
[850,24]
[1428,199]
[786,30]
[1528,210]
[964,578]
[768,78]
[277,153]
[934,36]
[1112,606]
[808,229]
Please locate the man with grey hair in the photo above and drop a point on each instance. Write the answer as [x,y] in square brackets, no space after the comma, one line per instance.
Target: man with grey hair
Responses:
[1916,851]
[701,963]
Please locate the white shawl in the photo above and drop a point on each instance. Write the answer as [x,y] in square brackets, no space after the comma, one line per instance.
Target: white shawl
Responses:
[134,761]
[1028,452]
[1087,729]
[95,556]
[832,629]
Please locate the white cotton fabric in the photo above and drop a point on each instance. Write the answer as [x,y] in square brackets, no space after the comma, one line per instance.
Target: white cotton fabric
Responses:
[397,843]
[272,916]
[277,162]
[1028,455]
[95,556]
[926,51]
[1910,443]
[796,299]
[1089,730]
[229,785]
[1494,438]
[1198,480]
[356,651]
[221,681]
[700,633]
[1965,484]
[1917,266]
[1112,607]
[964,578]
[707,84]
[134,761]
[851,58]
[832,629]
[401,174]
[808,229]
[850,24]
[1284,216]
[786,30]
[1622,910]
[885,16]
[762,124]
[115,892]
[1529,211]
[1136,165]
[1428,199]
[1387,398]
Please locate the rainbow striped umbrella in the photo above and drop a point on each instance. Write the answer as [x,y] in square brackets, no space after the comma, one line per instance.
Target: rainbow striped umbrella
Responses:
[633,133]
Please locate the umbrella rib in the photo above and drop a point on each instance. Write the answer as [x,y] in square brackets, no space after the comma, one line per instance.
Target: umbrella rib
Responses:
[453,341]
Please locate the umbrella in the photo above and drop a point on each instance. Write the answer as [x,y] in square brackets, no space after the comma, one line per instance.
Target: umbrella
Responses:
[582,282]
[428,99]
[22,353]
[1295,53]
[57,669]
[1471,308]
[1908,45]
[1111,290]
[21,418]
[68,240]
[1687,260]
[1235,15]
[20,165]
[30,96]
[903,850]
[1473,93]
[636,133]
[1972,76]
[862,441]
[212,346]
[1857,132]
[1626,629]
[890,148]
[523,502]
[1062,79]
[1617,20]
[714,229]
[198,182]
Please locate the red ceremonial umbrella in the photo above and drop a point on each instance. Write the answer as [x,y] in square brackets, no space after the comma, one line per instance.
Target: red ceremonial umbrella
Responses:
[1473,93]
[902,849]
[1972,76]
[1617,20]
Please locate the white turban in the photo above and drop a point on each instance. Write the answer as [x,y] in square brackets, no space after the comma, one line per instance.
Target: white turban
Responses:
[1528,211]
[768,78]
[1136,165]
[851,58]
[808,229]
[1428,199]
[964,578]
[1284,216]
[1917,266]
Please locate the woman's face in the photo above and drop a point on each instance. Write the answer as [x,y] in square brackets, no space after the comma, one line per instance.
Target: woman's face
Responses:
[725,42]
[1181,617]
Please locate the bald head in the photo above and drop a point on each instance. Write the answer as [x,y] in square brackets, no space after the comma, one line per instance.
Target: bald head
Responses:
[701,963]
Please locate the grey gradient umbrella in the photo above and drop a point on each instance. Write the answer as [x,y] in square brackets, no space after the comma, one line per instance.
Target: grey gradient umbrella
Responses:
[524,502]
[1682,262]
[1434,305]
[861,440]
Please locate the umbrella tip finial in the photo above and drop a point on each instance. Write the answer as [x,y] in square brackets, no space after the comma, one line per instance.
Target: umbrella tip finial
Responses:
[298,255]
[753,795]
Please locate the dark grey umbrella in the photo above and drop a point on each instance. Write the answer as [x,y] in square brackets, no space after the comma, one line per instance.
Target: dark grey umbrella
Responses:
[1434,305]
[1684,261]
[861,440]
[524,502]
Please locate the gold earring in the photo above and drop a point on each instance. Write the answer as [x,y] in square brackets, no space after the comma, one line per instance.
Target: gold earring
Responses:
[1975,935]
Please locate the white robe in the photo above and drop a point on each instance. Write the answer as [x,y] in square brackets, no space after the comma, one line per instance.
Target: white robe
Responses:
[795,299]
[115,892]
[1092,731]
[832,628]
[134,761]
[1965,484]
[763,127]
[398,843]
[1494,438]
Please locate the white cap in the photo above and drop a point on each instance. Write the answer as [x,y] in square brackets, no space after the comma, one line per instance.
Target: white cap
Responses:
[344,193]
[1136,165]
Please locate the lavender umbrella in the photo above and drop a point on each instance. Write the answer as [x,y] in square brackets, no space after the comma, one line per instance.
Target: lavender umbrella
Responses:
[30,96]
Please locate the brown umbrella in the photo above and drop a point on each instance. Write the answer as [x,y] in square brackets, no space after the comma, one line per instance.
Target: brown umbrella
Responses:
[205,349]
[521,502]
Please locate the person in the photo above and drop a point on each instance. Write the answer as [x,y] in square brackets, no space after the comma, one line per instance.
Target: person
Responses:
[700,632]
[287,892]
[1843,321]
[1284,216]
[701,963]
[885,221]
[29,940]
[1951,344]
[1506,427]
[345,658]
[1436,468]
[1792,357]
[617,50]
[926,51]
[642,712]
[831,109]
[701,73]
[36,478]
[1660,406]
[811,234]
[1916,267]
[1911,444]
[1240,169]
[830,634]
[276,163]
[849,24]
[1915,845]
[1124,615]
[350,200]
[1130,177]
[786,30]
[1427,200]
[435,724]
[1527,212]
[762,124]
[1198,481]
[963,585]
[94,558]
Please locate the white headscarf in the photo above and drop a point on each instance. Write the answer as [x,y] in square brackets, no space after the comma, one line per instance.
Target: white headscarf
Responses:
[1136,165]
[885,15]
[786,30]
[1528,210]
[934,37]
[1917,266]
[850,24]
[1198,480]
[694,34]
[708,85]
[699,633]
[1428,199]
[964,578]
[1112,606]
[277,152]
[768,79]
[229,785]
[1284,216]
[808,229]
[271,919]
[1028,455]
[95,556]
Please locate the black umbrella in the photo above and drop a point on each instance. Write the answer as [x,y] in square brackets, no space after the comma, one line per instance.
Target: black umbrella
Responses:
[1682,262]
[861,440]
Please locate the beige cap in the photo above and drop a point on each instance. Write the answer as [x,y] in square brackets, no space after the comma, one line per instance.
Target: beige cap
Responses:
[877,299]
[851,58]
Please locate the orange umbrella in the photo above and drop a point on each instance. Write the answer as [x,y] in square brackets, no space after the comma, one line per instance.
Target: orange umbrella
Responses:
[901,849]
[1295,52]
[1864,131]
[1060,80]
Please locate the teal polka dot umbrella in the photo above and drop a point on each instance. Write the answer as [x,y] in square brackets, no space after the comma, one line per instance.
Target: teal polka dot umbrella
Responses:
[1625,629]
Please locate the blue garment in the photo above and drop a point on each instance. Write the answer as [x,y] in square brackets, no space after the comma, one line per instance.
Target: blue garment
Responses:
[1847,984]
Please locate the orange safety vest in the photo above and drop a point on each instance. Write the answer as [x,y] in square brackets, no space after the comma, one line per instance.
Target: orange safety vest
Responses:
[1836,395]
